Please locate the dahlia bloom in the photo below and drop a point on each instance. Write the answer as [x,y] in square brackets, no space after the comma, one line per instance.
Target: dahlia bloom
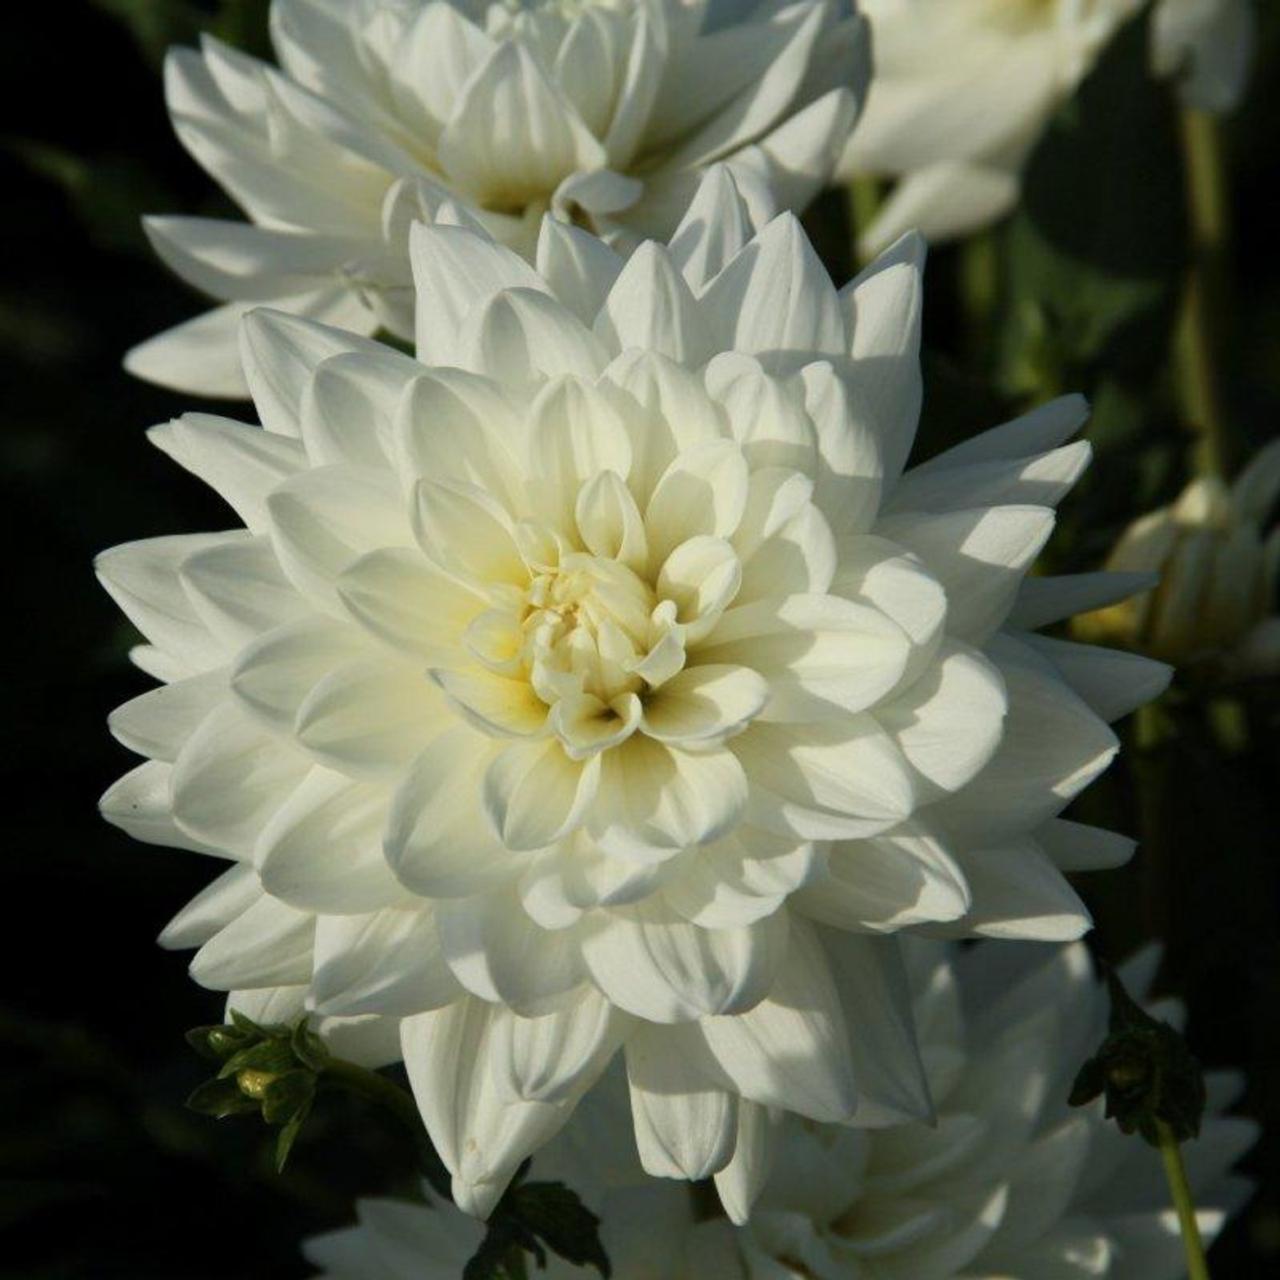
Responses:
[1009,1182]
[1219,567]
[384,111]
[961,93]
[1208,46]
[574,685]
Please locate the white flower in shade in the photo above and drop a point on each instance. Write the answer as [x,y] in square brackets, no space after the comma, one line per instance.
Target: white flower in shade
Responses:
[1217,551]
[961,93]
[1008,1182]
[1208,45]
[573,685]
[386,111]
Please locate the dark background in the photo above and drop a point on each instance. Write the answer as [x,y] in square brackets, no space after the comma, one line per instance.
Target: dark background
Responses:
[102,1171]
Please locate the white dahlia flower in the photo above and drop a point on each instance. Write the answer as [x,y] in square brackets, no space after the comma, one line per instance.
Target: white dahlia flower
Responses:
[572,685]
[381,112]
[1217,551]
[962,91]
[1008,1182]
[1208,46]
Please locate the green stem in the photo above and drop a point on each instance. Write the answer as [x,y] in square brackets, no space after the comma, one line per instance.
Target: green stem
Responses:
[1199,337]
[388,1095]
[979,291]
[864,196]
[1176,1172]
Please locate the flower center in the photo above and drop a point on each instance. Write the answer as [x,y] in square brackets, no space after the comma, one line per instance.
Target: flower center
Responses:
[586,625]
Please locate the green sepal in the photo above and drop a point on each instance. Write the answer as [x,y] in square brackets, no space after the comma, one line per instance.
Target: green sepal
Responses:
[220,1098]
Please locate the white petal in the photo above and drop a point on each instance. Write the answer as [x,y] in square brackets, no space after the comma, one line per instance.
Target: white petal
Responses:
[651,308]
[274,674]
[349,406]
[560,1054]
[369,717]
[574,434]
[876,996]
[850,464]
[713,232]
[1043,428]
[741,1181]
[399,596]
[649,961]
[979,557]
[212,909]
[949,722]
[452,425]
[325,519]
[654,799]
[455,271]
[542,139]
[1019,893]
[534,793]
[579,267]
[1053,747]
[240,463]
[882,315]
[437,839]
[821,655]
[322,848]
[1109,682]
[684,1128]
[387,962]
[269,945]
[1044,600]
[140,803]
[280,353]
[158,722]
[1075,847]
[892,881]
[480,1138]
[776,300]
[703,491]
[792,1049]
[239,590]
[523,337]
[230,777]
[704,702]
[829,780]
[142,578]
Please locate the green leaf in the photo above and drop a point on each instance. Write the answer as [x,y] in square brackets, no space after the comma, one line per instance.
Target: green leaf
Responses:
[269,1055]
[554,1213]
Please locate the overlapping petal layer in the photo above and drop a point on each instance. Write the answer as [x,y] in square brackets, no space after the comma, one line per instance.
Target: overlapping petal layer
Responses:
[1007,1181]
[485,114]
[577,685]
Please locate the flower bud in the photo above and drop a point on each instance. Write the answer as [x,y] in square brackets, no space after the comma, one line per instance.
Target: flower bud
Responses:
[1216,599]
[253,1083]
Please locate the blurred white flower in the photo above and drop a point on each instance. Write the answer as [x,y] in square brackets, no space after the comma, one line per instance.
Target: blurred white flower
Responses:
[962,91]
[575,683]
[1008,1182]
[1217,551]
[1208,46]
[386,111]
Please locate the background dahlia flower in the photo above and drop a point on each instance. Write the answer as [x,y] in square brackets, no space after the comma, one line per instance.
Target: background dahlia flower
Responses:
[383,110]
[1009,1182]
[1208,45]
[573,686]
[961,93]
[1217,551]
